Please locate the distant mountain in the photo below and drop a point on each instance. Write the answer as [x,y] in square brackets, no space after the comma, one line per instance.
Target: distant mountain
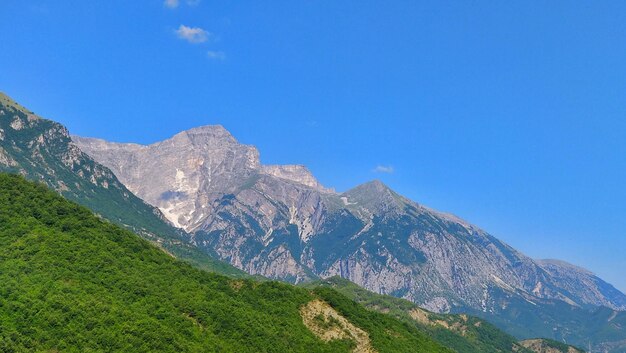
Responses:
[42,150]
[583,283]
[281,223]
[71,282]
[598,329]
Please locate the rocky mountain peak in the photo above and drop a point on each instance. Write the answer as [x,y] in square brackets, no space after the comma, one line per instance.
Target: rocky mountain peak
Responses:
[375,196]
[295,172]
[205,135]
[211,147]
[375,186]
[371,188]
[183,174]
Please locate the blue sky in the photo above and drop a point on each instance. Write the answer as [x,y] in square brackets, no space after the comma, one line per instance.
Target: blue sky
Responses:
[511,115]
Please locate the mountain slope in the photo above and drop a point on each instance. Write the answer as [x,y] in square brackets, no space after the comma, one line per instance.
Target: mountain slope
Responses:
[599,329]
[71,282]
[42,150]
[462,333]
[583,283]
[287,226]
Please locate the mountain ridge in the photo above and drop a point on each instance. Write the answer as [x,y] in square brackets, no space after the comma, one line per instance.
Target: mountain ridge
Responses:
[285,229]
[372,236]
[265,205]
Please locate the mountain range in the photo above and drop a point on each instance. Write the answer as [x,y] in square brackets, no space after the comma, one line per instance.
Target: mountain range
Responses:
[72,281]
[210,185]
[207,183]
[280,222]
[207,199]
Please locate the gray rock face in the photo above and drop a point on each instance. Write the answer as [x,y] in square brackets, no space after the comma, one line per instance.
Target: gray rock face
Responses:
[180,175]
[581,283]
[297,173]
[278,221]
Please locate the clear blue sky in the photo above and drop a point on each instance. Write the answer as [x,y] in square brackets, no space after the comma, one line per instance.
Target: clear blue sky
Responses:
[511,115]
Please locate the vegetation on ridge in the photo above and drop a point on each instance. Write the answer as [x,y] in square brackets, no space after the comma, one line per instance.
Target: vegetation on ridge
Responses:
[464,334]
[71,282]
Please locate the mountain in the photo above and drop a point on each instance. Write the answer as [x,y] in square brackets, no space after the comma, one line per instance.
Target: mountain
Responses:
[42,150]
[45,160]
[189,170]
[285,225]
[71,282]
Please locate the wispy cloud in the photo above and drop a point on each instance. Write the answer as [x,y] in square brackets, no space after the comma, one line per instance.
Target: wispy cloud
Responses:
[172,4]
[216,55]
[192,34]
[383,169]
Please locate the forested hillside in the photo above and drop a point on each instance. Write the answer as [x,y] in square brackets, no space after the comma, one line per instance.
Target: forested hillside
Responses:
[71,282]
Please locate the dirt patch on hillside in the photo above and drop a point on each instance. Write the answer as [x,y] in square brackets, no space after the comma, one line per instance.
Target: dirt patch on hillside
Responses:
[420,316]
[541,346]
[327,324]
[236,285]
[424,318]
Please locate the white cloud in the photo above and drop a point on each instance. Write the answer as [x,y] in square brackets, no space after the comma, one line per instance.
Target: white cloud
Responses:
[217,55]
[192,34]
[172,4]
[383,169]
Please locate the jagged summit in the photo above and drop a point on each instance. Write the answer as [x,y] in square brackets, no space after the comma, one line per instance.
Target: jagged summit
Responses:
[376,196]
[374,186]
[204,134]
[295,172]
[217,129]
[209,141]
[181,174]
[198,135]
